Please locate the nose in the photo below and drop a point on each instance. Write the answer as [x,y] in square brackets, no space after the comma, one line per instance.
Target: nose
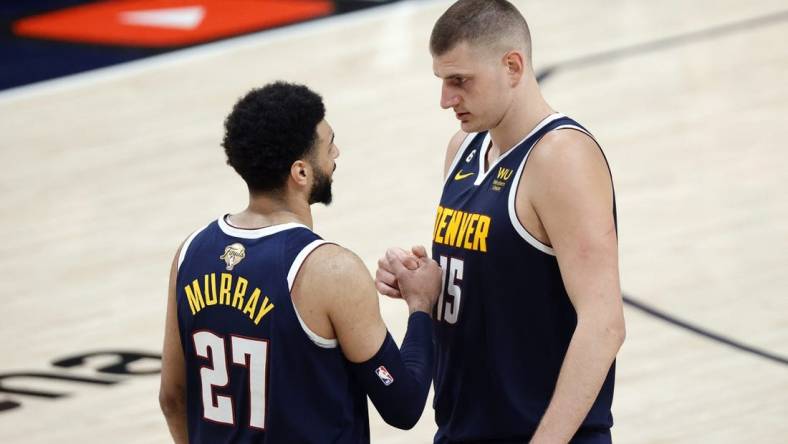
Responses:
[336,148]
[449,98]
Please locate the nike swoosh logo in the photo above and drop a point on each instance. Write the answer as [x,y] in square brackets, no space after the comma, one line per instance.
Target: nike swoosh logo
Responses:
[460,176]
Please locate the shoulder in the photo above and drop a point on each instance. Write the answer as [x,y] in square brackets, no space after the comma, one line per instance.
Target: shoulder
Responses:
[567,155]
[567,166]
[454,146]
[456,141]
[334,270]
[195,238]
[333,259]
[566,147]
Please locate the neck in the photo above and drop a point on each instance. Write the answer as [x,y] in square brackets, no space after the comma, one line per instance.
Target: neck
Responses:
[527,109]
[265,210]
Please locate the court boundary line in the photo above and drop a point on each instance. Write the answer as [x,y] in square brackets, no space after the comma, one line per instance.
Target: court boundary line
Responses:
[663,43]
[654,312]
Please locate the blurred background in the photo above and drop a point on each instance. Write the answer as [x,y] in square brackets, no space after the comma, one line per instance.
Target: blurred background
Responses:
[111,120]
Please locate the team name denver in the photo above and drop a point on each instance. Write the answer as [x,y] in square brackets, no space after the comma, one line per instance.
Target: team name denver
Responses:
[460,229]
[229,293]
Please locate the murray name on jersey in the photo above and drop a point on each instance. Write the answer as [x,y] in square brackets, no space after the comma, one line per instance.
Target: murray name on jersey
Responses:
[224,289]
[461,229]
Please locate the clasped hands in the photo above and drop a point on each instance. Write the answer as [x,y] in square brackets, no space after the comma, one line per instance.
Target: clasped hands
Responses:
[411,276]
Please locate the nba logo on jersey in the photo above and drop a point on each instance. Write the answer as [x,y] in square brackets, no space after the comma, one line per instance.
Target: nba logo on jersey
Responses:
[384,375]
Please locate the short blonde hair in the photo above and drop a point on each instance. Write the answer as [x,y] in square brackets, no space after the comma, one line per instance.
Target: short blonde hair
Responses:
[496,24]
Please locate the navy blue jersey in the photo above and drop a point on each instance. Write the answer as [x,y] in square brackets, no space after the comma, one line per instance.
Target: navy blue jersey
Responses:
[254,371]
[503,321]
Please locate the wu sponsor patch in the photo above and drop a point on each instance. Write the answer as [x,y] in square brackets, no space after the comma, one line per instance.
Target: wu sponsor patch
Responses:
[233,254]
[501,177]
[384,375]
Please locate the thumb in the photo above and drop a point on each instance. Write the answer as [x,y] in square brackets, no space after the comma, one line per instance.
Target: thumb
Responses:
[410,262]
[395,263]
[419,251]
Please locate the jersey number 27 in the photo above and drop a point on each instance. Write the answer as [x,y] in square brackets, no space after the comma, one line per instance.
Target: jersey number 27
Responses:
[246,352]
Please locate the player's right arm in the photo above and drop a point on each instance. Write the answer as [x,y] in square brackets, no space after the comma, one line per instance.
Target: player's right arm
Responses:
[172,391]
[335,282]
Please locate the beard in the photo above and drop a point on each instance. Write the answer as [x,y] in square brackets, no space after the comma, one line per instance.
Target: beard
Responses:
[321,188]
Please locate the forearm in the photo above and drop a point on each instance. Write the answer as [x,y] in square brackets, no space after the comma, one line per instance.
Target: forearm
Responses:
[178,430]
[587,362]
[175,413]
[398,381]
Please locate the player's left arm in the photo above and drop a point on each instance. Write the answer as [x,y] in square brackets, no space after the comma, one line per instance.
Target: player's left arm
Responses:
[172,391]
[572,195]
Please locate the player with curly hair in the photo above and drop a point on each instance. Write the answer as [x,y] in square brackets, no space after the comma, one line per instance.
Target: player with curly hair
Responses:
[273,334]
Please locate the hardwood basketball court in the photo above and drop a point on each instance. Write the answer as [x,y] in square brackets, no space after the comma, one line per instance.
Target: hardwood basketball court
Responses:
[103,174]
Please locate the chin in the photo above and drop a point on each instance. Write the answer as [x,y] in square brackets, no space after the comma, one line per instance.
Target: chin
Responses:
[470,127]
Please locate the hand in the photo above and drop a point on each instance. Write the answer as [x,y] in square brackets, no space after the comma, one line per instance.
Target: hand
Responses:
[419,287]
[385,280]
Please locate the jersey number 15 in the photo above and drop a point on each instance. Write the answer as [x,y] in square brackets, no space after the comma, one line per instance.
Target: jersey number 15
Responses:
[448,306]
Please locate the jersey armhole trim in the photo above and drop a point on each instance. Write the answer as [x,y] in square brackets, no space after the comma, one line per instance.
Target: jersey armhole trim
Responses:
[291,275]
[512,210]
[604,157]
[518,227]
[186,244]
[458,155]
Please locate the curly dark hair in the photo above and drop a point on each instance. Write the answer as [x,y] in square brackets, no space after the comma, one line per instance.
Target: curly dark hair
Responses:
[270,128]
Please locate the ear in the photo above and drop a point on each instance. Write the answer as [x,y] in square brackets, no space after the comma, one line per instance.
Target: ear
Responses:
[514,61]
[299,172]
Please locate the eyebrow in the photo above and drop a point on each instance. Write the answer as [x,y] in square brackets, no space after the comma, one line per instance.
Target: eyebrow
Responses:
[452,76]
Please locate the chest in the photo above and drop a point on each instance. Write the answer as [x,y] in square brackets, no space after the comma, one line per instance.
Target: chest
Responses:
[474,209]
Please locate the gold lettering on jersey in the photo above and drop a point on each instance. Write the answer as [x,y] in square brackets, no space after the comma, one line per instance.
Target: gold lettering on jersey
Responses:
[264,309]
[482,230]
[224,289]
[251,304]
[210,296]
[502,176]
[466,217]
[469,232]
[504,173]
[461,229]
[229,291]
[442,224]
[240,292]
[196,302]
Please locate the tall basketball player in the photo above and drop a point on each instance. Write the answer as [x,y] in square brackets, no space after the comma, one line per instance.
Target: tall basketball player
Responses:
[274,335]
[530,318]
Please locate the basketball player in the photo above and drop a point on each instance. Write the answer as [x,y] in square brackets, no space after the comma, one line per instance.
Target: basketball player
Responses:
[272,334]
[530,318]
